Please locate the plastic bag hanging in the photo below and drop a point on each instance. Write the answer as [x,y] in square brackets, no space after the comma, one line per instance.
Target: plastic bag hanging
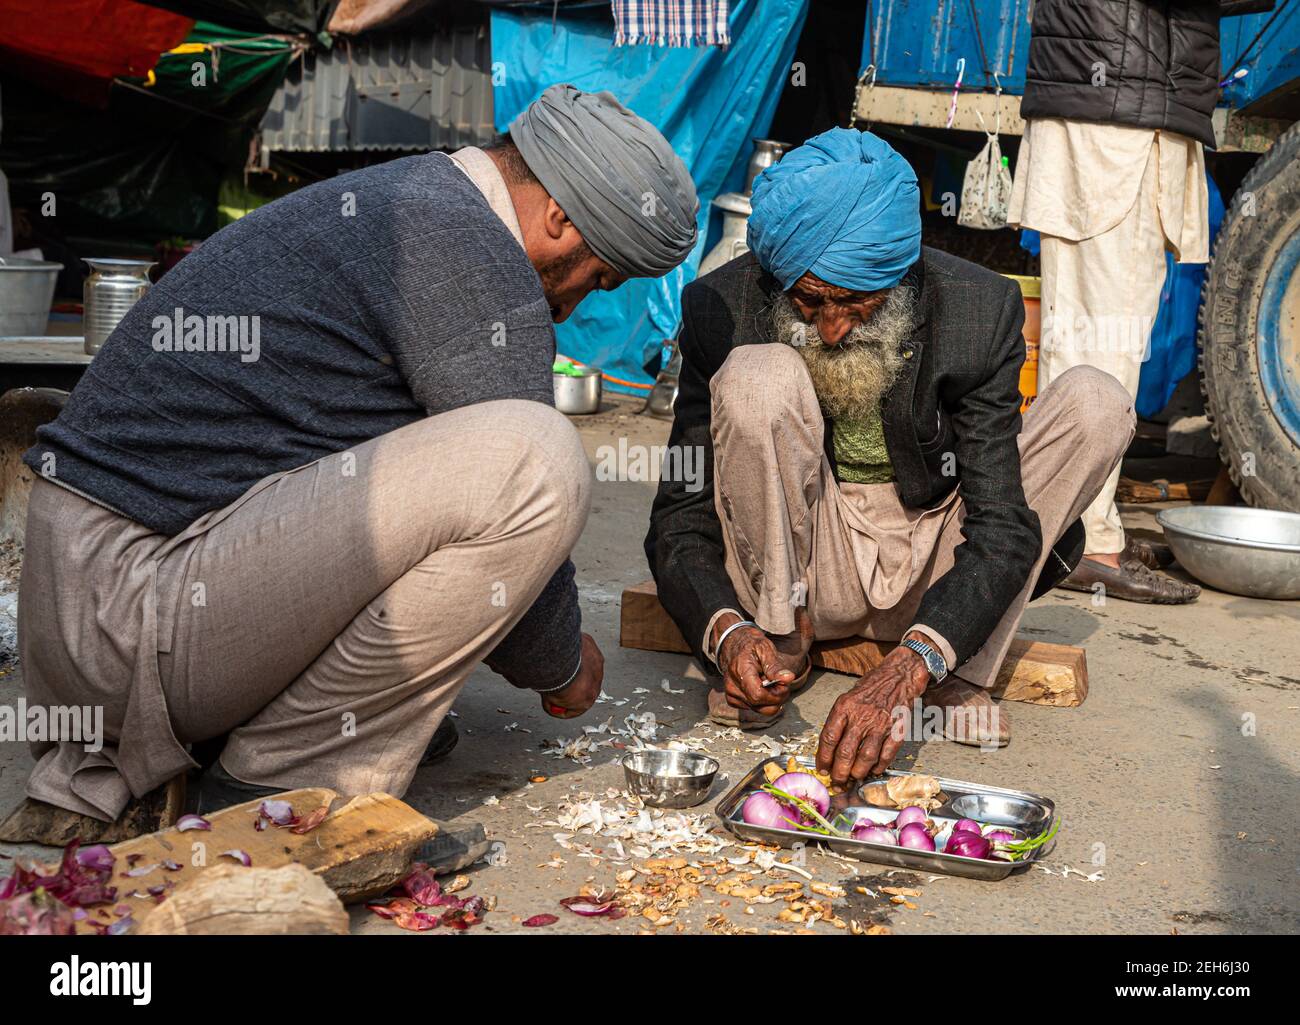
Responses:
[986,189]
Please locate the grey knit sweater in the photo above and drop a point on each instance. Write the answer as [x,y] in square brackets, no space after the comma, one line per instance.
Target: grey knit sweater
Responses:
[379,294]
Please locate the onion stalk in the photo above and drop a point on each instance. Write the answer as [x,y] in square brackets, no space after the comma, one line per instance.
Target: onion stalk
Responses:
[1021,849]
[806,808]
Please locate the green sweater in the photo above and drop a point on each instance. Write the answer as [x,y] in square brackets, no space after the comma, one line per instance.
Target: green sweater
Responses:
[860,452]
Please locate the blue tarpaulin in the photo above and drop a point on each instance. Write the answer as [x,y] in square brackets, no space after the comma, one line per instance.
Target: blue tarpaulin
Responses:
[710,103]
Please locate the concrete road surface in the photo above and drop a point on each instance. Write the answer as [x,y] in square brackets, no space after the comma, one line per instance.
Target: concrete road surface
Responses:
[1176,781]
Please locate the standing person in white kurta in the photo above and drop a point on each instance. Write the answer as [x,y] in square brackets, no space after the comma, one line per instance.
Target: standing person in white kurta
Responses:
[1111,173]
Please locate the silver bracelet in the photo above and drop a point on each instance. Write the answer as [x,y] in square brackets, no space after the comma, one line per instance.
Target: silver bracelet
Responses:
[717,648]
[574,676]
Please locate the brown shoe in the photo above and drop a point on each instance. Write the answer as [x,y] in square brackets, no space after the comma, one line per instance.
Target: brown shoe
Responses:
[969,715]
[1151,554]
[37,822]
[1133,581]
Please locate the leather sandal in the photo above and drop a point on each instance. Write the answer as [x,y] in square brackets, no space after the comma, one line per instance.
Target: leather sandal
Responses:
[444,738]
[35,821]
[1133,581]
[1151,554]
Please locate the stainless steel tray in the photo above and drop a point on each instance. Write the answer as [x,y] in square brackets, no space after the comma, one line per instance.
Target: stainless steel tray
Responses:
[1023,813]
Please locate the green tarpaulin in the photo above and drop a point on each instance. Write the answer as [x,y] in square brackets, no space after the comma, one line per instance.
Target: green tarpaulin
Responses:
[149,167]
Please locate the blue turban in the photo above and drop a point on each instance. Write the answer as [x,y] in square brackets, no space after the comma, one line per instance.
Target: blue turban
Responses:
[845,206]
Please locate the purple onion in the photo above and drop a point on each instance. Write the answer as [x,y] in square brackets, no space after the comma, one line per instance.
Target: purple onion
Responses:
[915,836]
[910,814]
[762,809]
[968,826]
[807,787]
[968,845]
[1000,836]
[872,833]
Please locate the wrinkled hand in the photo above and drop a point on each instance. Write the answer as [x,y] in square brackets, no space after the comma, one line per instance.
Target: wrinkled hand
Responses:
[858,739]
[747,659]
[575,699]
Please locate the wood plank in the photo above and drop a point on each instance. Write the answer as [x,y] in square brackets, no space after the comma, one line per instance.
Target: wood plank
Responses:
[360,849]
[1223,491]
[1034,671]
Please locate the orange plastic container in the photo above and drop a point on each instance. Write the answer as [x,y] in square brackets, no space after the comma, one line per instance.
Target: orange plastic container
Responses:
[1030,291]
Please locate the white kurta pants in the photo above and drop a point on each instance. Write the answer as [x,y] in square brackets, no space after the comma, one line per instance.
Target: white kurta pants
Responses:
[1108,200]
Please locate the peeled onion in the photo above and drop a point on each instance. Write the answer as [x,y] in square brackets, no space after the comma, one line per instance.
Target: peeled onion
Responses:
[915,836]
[910,814]
[968,826]
[806,786]
[873,833]
[762,809]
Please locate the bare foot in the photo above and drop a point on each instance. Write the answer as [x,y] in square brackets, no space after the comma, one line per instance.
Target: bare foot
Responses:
[792,649]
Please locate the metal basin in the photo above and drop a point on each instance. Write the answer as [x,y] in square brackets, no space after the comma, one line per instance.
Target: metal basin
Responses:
[669,779]
[26,291]
[1255,552]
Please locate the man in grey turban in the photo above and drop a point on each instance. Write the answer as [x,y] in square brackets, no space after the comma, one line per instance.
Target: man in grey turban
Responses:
[313,479]
[614,175]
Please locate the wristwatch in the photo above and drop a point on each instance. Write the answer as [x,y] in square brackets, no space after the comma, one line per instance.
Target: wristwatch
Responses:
[933,660]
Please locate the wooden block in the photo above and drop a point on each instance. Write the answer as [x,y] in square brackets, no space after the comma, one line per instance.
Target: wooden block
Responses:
[1043,674]
[231,900]
[1223,492]
[1034,671]
[360,849]
[645,625]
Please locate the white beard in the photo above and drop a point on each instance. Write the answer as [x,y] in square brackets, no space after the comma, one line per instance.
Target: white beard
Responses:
[851,378]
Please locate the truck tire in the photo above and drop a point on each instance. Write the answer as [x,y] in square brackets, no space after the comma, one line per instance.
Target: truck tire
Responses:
[1250,331]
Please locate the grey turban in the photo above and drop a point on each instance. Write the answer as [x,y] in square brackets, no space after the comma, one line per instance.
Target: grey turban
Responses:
[615,177]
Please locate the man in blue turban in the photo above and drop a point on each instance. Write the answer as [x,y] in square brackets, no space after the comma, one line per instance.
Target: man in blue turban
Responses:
[870,474]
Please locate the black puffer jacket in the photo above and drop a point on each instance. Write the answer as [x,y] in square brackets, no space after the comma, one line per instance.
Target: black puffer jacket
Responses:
[1150,63]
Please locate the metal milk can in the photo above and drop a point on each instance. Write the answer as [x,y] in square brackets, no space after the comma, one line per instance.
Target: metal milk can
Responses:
[112,288]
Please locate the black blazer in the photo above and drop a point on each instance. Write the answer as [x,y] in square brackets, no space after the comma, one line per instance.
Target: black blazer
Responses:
[958,393]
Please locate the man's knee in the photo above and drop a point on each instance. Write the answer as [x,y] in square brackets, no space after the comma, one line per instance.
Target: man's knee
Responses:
[1105,415]
[545,435]
[759,382]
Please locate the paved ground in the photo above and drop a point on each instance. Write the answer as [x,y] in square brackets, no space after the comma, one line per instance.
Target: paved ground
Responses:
[1176,781]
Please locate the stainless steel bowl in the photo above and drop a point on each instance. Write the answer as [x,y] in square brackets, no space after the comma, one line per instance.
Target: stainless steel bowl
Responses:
[1255,552]
[669,779]
[577,395]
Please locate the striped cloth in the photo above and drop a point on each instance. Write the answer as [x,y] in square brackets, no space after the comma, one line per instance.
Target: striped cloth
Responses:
[671,22]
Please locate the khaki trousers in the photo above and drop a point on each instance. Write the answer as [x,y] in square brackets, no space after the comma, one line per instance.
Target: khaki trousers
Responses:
[326,619]
[853,553]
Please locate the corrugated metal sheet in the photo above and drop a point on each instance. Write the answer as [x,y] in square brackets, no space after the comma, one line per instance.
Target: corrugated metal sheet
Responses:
[918,42]
[413,90]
